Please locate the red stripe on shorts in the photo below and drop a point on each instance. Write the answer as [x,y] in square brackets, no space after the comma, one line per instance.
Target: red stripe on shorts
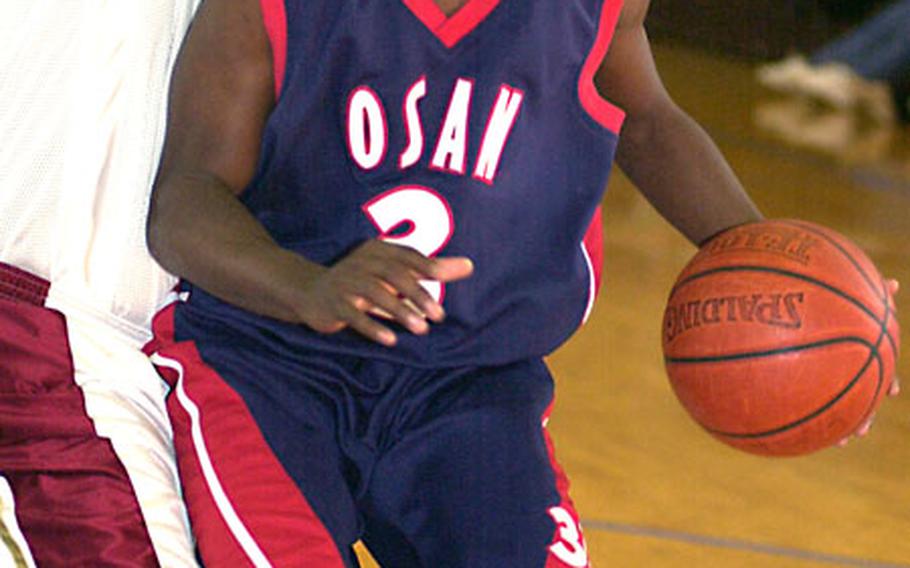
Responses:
[568,547]
[243,506]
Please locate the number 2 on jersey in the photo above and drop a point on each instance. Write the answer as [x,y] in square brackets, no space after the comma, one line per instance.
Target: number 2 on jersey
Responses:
[423,221]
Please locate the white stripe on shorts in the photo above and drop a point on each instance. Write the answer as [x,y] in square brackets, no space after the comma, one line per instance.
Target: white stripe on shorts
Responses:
[235,524]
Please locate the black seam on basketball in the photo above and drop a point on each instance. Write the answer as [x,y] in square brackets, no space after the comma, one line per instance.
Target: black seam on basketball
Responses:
[883,332]
[882,294]
[881,366]
[873,355]
[878,388]
[885,323]
[767,352]
[796,275]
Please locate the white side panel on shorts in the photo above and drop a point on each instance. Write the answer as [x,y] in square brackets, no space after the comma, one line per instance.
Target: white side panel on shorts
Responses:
[124,397]
[14,551]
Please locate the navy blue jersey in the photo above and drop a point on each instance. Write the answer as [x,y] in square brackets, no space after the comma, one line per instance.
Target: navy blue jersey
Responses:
[479,135]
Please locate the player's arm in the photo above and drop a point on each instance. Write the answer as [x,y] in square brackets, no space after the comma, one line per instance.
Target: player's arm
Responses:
[221,96]
[665,153]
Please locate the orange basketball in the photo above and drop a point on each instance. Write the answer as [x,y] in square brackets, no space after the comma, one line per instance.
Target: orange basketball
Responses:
[780,337]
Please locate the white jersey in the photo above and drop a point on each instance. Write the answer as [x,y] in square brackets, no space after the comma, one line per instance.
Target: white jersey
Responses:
[83,89]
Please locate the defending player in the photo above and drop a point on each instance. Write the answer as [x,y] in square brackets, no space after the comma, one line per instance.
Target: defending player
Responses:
[87,473]
[332,384]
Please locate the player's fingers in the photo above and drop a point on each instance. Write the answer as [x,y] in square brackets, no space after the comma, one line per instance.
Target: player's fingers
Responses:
[893,286]
[327,325]
[864,429]
[382,296]
[413,306]
[409,287]
[406,301]
[446,269]
[404,313]
[450,269]
[368,327]
[388,254]
[860,432]
[380,313]
[895,388]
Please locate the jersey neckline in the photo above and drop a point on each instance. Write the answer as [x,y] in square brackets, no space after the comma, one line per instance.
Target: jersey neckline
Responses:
[449,30]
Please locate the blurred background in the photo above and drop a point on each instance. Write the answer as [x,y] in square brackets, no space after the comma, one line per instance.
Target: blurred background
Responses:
[757,29]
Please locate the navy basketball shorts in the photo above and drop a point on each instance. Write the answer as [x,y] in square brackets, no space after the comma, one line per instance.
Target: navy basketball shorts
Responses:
[87,472]
[288,459]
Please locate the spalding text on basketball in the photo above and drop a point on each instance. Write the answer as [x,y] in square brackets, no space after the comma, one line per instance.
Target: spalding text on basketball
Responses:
[780,310]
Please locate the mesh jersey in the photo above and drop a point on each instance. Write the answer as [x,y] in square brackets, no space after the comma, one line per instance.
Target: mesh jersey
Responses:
[83,85]
[478,135]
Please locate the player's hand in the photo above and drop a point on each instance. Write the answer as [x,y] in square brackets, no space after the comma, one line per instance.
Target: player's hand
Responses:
[893,390]
[382,279]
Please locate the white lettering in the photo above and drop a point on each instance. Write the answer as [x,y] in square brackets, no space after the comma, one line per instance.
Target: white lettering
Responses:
[499,125]
[412,120]
[453,137]
[367,131]
[570,547]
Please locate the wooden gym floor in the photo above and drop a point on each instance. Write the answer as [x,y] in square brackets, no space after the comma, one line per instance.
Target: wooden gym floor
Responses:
[652,488]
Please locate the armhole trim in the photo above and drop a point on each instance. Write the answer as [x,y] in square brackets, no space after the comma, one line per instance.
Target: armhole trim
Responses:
[275,20]
[601,110]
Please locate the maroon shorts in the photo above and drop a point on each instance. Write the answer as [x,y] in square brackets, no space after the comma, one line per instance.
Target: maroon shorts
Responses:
[72,501]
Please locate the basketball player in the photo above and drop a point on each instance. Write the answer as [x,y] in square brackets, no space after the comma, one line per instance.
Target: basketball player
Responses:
[379,210]
[87,473]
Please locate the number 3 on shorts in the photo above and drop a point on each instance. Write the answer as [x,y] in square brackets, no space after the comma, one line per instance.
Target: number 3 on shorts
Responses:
[427,218]
[570,547]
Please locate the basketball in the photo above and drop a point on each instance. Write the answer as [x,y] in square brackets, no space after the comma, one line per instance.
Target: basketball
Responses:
[780,337]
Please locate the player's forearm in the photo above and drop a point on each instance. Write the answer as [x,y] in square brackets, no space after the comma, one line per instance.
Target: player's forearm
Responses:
[200,231]
[680,170]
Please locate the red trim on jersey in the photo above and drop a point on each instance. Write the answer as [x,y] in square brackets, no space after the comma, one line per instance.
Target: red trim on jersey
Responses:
[603,111]
[593,243]
[248,476]
[451,29]
[276,26]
